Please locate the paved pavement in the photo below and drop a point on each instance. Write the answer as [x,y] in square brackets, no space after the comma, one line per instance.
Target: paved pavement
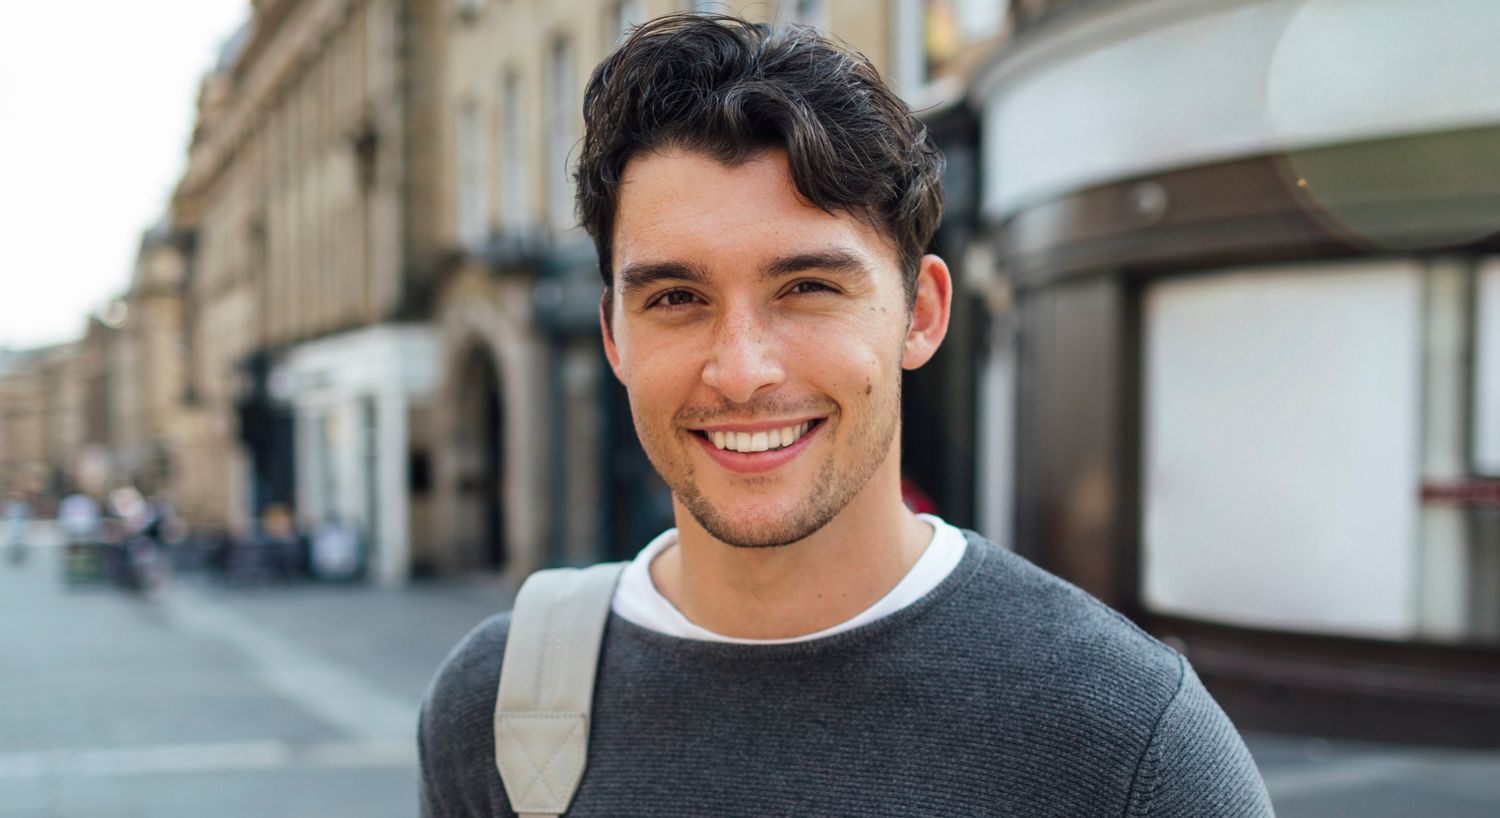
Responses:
[291,702]
[300,701]
[1312,778]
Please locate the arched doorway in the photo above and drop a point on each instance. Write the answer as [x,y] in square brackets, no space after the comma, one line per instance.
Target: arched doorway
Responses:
[479,485]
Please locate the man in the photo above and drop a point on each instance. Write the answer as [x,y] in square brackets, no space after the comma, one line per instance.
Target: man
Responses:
[15,527]
[801,643]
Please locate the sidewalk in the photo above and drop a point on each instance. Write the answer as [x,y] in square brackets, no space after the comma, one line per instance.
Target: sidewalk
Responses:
[393,637]
[1310,777]
[294,702]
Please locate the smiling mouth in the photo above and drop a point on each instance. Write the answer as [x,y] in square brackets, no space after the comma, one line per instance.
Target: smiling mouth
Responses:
[768,440]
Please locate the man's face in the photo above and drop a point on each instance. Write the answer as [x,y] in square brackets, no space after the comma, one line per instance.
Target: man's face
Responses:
[761,342]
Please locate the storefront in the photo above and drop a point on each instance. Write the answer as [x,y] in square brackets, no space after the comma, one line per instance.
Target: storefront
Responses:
[354,397]
[1252,249]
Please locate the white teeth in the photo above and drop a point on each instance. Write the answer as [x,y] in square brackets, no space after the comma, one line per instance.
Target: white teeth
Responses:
[750,442]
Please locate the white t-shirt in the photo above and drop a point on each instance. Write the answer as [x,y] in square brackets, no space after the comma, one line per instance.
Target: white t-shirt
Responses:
[637,600]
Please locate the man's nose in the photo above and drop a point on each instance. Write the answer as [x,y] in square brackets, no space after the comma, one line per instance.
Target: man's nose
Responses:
[745,358]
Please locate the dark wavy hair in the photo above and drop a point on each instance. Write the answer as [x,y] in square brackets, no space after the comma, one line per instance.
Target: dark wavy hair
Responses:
[728,88]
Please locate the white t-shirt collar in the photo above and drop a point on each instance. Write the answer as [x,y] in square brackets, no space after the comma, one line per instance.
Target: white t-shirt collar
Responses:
[638,601]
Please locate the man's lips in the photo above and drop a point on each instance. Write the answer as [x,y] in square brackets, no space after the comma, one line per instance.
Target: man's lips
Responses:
[721,443]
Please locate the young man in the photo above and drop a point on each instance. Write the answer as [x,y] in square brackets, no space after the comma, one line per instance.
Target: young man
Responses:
[801,644]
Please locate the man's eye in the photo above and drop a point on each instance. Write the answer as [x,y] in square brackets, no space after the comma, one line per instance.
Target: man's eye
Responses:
[676,298]
[802,287]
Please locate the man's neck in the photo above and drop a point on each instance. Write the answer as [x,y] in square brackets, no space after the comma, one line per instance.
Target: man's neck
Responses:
[797,589]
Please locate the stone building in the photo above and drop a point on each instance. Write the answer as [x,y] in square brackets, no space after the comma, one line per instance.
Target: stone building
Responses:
[22,453]
[94,458]
[306,197]
[42,419]
[149,432]
[145,359]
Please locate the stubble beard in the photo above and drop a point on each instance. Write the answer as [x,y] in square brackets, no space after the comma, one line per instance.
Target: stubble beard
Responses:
[831,491]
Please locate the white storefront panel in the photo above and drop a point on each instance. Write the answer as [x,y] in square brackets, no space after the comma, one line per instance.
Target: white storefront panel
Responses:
[353,394]
[1281,447]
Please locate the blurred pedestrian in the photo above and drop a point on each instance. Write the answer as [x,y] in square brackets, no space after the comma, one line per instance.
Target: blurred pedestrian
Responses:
[336,553]
[89,553]
[801,643]
[15,528]
[78,517]
[281,545]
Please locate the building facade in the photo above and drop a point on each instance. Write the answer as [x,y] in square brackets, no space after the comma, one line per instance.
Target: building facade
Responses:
[306,194]
[144,361]
[42,419]
[1251,248]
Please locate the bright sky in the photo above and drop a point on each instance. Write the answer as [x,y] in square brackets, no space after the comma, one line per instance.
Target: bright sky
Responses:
[96,105]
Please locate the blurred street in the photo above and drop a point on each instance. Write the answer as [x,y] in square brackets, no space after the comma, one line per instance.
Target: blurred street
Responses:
[300,701]
[285,702]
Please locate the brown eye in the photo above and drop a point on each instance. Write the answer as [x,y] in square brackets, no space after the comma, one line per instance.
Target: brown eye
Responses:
[803,287]
[676,298]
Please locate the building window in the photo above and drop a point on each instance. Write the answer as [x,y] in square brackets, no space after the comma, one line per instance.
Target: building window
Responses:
[1281,447]
[471,215]
[934,38]
[806,12]
[560,136]
[623,15]
[513,180]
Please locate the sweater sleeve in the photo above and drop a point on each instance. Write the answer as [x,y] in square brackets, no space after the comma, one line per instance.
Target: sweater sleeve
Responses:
[1196,765]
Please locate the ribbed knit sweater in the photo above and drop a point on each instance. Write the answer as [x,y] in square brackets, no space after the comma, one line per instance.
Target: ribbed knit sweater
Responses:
[1005,691]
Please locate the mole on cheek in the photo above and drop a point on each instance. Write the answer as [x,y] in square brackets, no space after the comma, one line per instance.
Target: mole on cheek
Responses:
[869,387]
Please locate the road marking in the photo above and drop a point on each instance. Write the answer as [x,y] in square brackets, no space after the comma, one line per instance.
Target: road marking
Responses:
[197,758]
[324,689]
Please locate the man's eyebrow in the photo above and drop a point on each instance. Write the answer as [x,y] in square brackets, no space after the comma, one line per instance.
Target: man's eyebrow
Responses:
[643,274]
[832,260]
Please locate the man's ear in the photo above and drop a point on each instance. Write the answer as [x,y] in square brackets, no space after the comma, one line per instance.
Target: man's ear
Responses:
[929,313]
[606,329]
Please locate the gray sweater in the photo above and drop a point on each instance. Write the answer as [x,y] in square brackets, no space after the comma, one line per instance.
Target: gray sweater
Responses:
[1005,691]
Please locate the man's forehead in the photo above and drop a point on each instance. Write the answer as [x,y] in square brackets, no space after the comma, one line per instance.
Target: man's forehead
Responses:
[673,175]
[674,202]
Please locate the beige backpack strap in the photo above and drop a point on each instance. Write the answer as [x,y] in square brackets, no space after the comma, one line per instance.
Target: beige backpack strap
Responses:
[547,685]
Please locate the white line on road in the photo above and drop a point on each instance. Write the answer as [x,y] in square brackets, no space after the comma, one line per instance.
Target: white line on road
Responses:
[198,758]
[326,690]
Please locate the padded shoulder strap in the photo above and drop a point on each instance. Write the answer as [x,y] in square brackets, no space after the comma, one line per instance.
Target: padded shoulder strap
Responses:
[547,685]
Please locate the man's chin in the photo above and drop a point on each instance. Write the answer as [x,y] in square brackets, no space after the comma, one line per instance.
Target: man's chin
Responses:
[757,530]
[757,538]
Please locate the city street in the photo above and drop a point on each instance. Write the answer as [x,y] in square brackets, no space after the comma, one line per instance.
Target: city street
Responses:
[266,702]
[300,701]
